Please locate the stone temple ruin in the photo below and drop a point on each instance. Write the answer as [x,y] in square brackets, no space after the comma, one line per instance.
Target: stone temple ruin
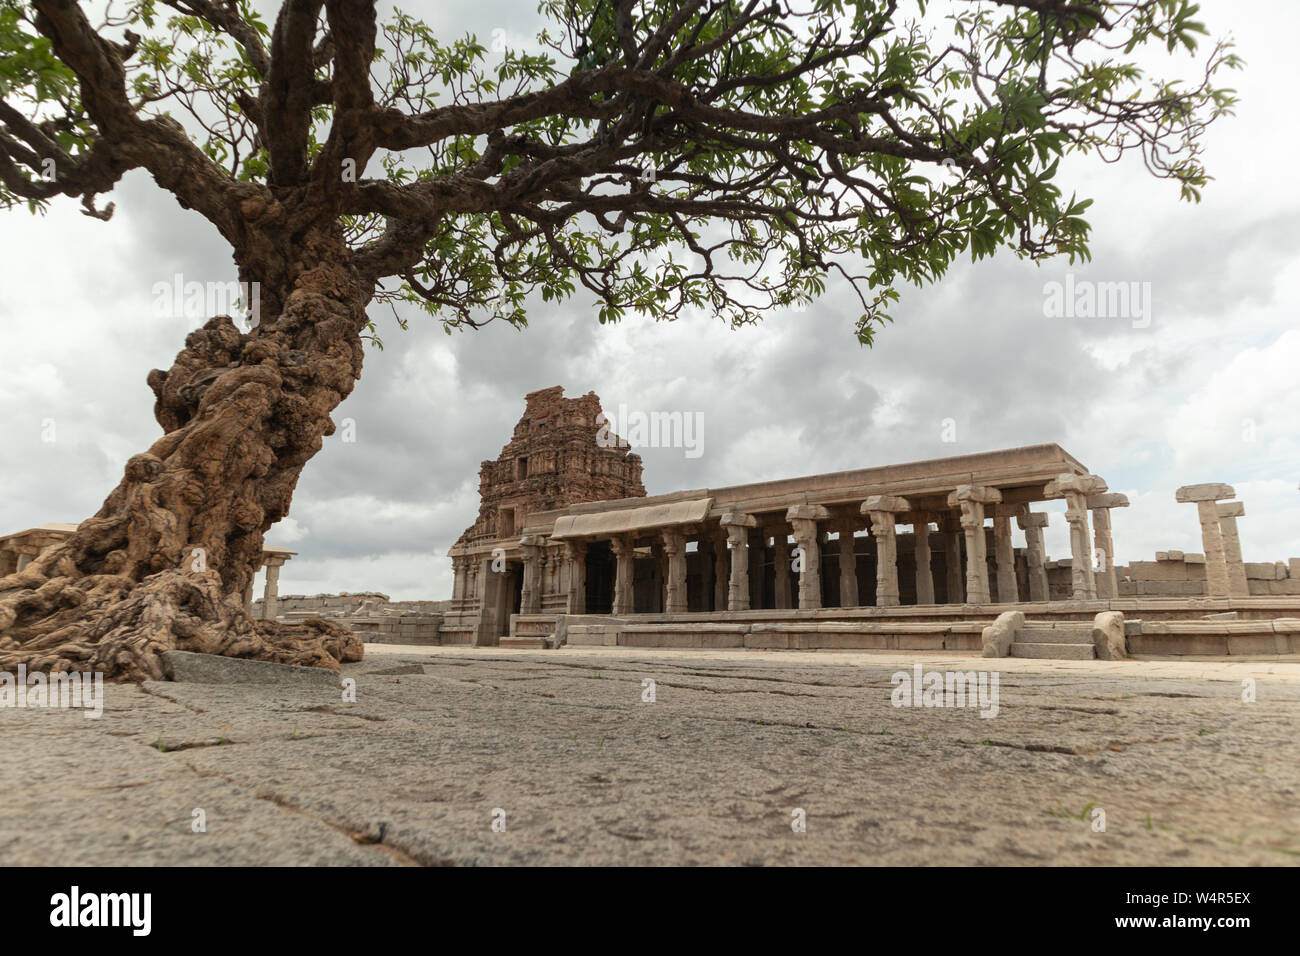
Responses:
[567,548]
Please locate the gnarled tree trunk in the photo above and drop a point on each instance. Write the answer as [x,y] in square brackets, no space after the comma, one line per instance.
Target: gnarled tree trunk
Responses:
[166,561]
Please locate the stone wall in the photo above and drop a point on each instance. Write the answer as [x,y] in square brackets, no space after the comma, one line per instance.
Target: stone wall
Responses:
[1176,574]
[370,615]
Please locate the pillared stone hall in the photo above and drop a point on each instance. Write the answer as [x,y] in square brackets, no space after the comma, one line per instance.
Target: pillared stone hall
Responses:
[568,549]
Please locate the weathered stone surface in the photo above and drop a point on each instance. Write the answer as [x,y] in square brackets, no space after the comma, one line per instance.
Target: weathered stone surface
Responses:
[187,667]
[589,773]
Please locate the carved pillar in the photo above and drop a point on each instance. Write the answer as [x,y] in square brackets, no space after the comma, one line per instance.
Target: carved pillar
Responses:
[1229,512]
[737,527]
[271,593]
[530,599]
[972,499]
[781,597]
[575,559]
[757,559]
[659,564]
[881,509]
[1005,553]
[1075,489]
[1033,524]
[803,520]
[955,580]
[624,569]
[1103,543]
[848,566]
[720,572]
[921,557]
[1217,580]
[674,543]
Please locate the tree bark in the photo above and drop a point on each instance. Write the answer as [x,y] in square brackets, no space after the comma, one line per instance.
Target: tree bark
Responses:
[166,561]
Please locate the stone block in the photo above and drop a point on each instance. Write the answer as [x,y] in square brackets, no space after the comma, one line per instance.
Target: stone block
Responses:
[1108,636]
[997,638]
[1258,644]
[885,503]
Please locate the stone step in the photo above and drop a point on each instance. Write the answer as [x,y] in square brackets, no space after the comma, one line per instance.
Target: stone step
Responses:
[1061,652]
[531,643]
[1055,634]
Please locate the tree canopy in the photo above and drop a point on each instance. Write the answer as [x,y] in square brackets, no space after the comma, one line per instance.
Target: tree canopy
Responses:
[649,156]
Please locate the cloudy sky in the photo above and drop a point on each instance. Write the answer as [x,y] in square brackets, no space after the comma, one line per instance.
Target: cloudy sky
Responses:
[1208,391]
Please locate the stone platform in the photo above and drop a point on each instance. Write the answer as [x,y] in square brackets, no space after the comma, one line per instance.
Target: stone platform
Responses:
[1154,627]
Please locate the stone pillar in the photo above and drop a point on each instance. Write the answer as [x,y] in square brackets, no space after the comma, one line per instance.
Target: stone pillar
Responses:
[1032,524]
[659,562]
[972,499]
[675,577]
[1076,489]
[457,579]
[803,520]
[248,598]
[848,566]
[952,535]
[575,560]
[625,557]
[757,558]
[1005,552]
[881,509]
[23,560]
[1217,581]
[1103,543]
[921,555]
[737,527]
[271,593]
[530,600]
[1229,512]
[781,596]
[720,572]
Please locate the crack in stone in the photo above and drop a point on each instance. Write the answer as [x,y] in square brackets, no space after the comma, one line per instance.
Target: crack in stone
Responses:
[376,840]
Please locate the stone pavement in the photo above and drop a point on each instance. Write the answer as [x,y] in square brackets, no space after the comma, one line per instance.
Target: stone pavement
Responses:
[711,772]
